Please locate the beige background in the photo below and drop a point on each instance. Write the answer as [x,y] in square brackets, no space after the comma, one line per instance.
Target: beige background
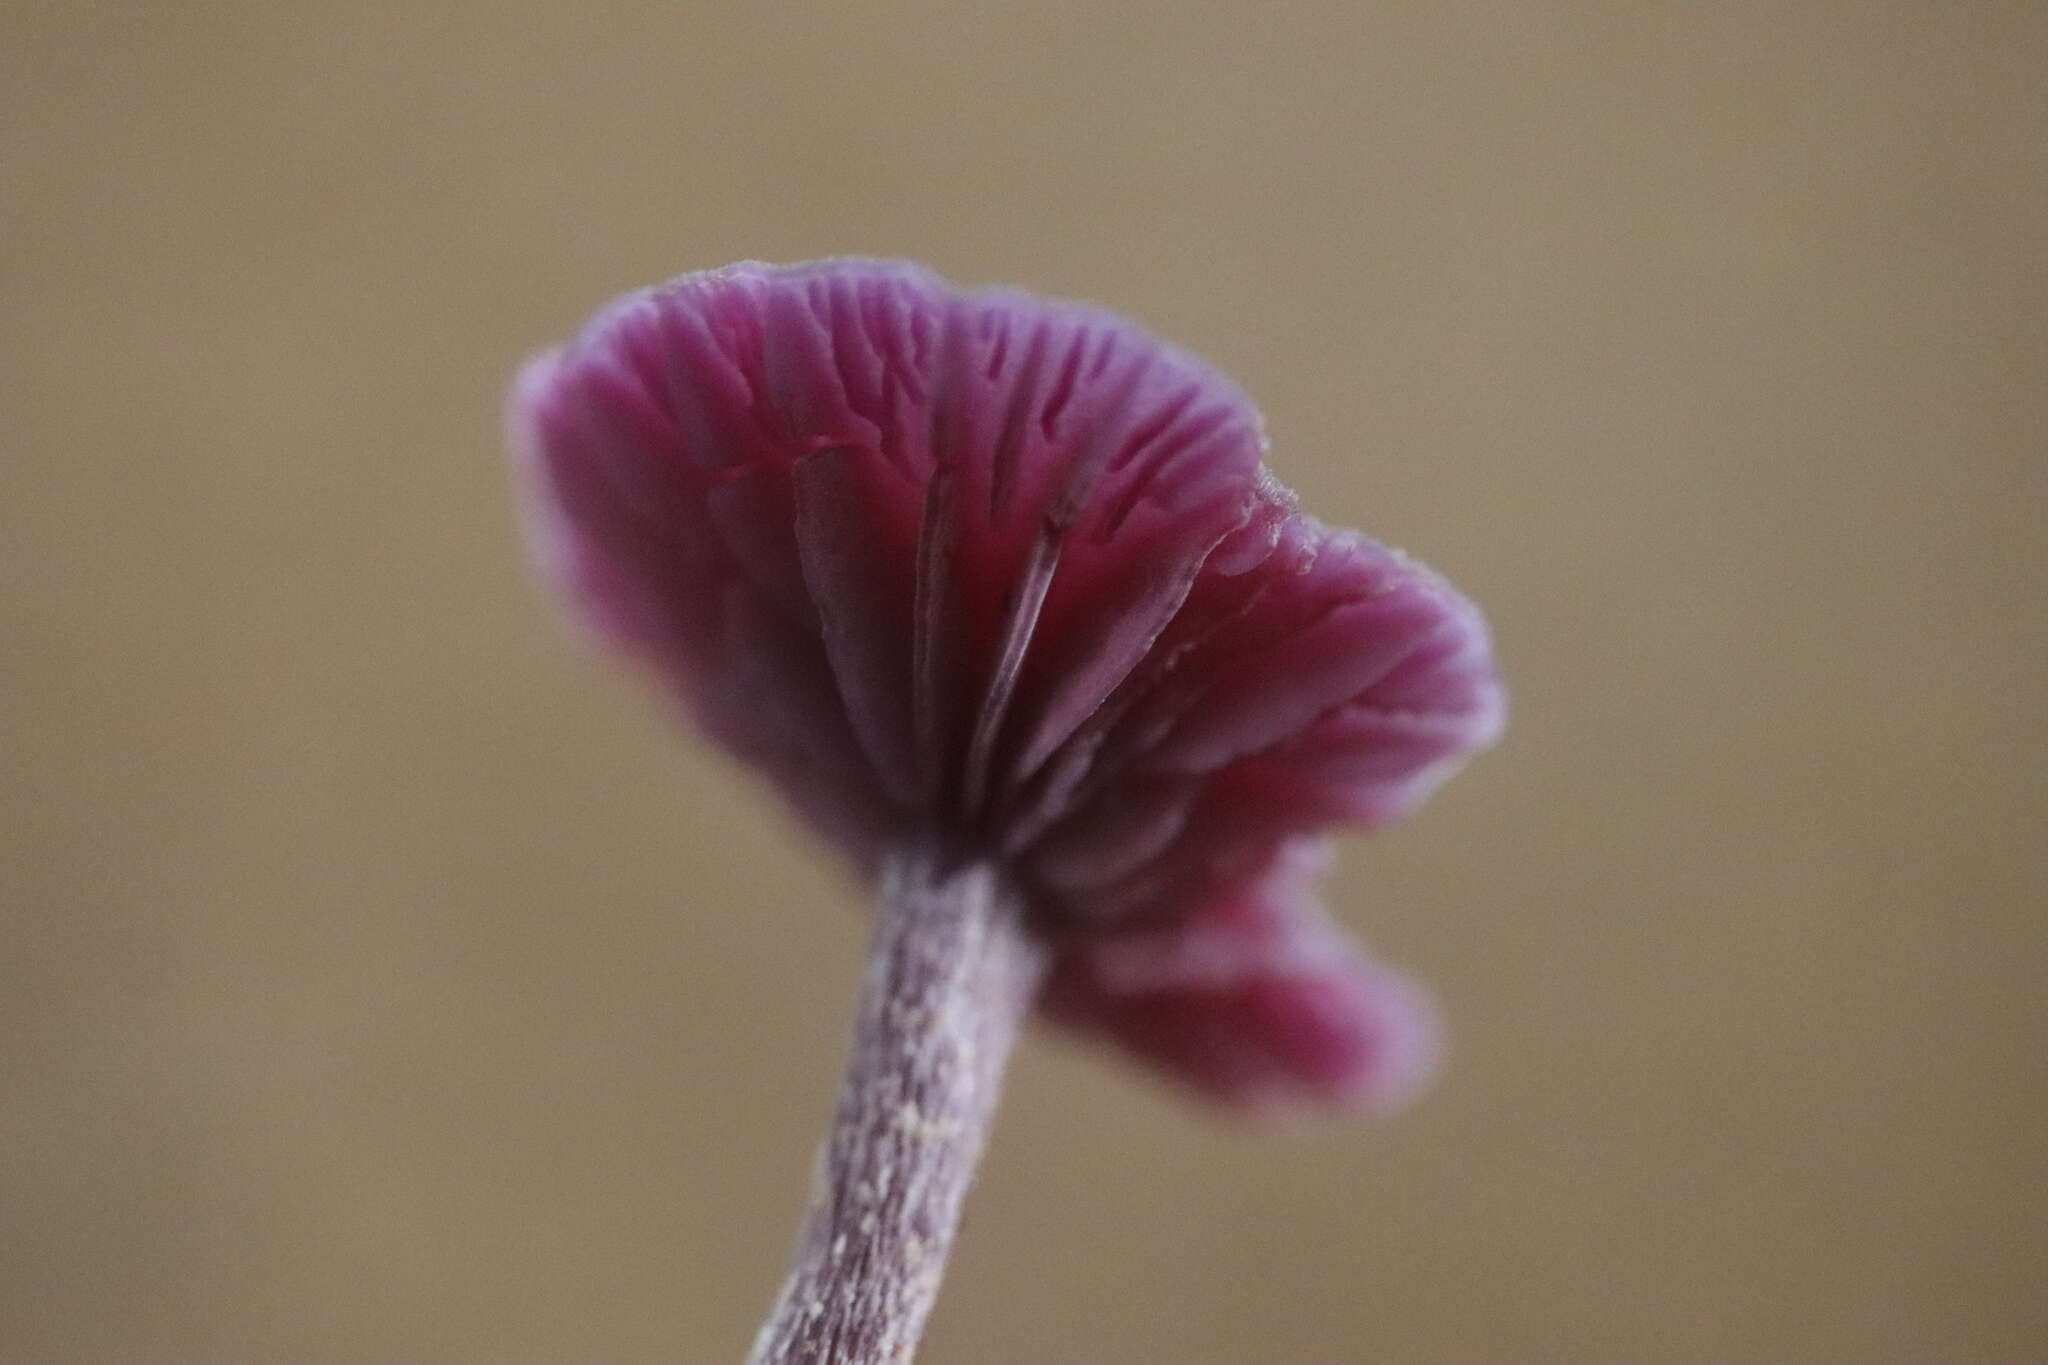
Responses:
[382,979]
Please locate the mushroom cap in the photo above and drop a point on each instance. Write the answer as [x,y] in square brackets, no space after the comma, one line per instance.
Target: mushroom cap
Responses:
[1010,573]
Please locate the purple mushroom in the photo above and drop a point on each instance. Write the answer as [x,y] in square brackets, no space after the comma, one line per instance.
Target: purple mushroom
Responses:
[998,595]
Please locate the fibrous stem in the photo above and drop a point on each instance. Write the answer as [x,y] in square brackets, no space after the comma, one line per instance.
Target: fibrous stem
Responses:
[951,978]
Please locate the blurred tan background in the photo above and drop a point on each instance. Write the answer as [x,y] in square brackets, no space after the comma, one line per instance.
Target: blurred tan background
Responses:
[382,979]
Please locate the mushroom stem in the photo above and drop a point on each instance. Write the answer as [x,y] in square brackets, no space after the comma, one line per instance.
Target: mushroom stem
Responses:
[950,979]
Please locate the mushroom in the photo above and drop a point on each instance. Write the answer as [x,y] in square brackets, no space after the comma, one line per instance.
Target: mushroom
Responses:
[998,595]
